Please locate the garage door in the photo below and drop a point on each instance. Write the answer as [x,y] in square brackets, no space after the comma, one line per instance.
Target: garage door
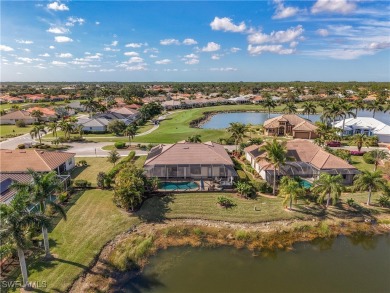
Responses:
[304,135]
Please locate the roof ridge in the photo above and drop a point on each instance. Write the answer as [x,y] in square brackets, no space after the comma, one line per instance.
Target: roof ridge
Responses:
[39,155]
[218,153]
[155,157]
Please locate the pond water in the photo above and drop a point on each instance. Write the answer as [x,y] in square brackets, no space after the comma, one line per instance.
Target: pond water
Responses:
[222,120]
[331,265]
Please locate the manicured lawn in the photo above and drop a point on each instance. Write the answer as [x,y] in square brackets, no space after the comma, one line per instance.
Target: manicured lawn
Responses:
[14,130]
[93,220]
[358,162]
[145,127]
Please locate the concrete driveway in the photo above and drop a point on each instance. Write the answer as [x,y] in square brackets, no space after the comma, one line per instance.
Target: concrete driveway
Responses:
[12,143]
[94,149]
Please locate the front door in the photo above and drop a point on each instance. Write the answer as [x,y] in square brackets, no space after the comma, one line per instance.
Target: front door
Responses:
[281,130]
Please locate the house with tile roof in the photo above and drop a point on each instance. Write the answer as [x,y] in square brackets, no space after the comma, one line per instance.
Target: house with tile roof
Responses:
[194,161]
[308,161]
[22,115]
[290,124]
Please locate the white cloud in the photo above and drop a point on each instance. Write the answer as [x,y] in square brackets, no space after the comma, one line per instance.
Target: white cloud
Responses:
[109,49]
[223,69]
[62,39]
[74,20]
[152,56]
[24,42]
[24,59]
[235,50]
[322,32]
[192,61]
[189,42]
[65,55]
[107,70]
[59,63]
[18,63]
[215,57]
[276,37]
[56,6]
[333,6]
[57,30]
[211,47]
[52,47]
[40,66]
[6,48]
[171,70]
[191,56]
[282,11]
[293,44]
[135,45]
[97,22]
[167,42]
[163,61]
[44,55]
[225,24]
[276,49]
[114,43]
[26,50]
[131,54]
[379,46]
[97,56]
[134,60]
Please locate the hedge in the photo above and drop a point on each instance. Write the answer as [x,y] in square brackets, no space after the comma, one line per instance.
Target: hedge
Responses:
[120,145]
[111,174]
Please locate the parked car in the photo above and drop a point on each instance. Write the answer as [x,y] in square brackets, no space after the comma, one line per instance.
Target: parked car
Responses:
[333,144]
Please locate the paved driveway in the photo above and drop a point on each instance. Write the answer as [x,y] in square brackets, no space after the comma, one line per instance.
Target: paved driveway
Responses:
[12,143]
[94,149]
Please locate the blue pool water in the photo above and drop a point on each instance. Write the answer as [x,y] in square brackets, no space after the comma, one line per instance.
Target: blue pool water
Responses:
[178,185]
[305,184]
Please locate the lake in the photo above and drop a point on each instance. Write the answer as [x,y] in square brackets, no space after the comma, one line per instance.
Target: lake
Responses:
[330,265]
[222,120]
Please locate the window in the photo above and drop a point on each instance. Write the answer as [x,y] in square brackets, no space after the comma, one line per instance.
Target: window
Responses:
[195,170]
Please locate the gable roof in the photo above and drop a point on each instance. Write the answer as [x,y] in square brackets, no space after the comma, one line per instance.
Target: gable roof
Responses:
[45,111]
[290,118]
[305,126]
[18,161]
[127,111]
[17,115]
[188,153]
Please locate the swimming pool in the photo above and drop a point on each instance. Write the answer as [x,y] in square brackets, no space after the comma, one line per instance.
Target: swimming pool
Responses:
[306,184]
[178,185]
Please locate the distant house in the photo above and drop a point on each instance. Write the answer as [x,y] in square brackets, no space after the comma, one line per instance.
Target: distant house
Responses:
[99,122]
[19,115]
[14,165]
[309,161]
[170,105]
[47,114]
[290,124]
[127,112]
[239,100]
[185,160]
[10,99]
[365,125]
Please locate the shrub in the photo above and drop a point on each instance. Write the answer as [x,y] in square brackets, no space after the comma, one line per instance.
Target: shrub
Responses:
[262,186]
[351,202]
[384,201]
[21,146]
[100,179]
[356,153]
[20,123]
[83,163]
[242,175]
[242,235]
[120,145]
[368,158]
[82,183]
[62,197]
[225,202]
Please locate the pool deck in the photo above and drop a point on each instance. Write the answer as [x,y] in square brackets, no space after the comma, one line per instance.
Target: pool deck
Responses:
[208,185]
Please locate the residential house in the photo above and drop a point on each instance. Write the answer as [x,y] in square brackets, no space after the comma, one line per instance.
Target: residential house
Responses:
[99,122]
[47,114]
[309,161]
[365,125]
[290,124]
[19,115]
[127,112]
[171,105]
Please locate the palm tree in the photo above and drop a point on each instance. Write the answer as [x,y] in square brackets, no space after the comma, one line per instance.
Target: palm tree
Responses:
[80,130]
[37,114]
[309,108]
[90,105]
[195,138]
[130,131]
[369,181]
[346,110]
[378,156]
[113,157]
[237,131]
[328,186]
[360,139]
[40,188]
[290,190]
[290,108]
[359,104]
[276,156]
[332,112]
[16,222]
[53,128]
[375,106]
[269,104]
[36,132]
[67,128]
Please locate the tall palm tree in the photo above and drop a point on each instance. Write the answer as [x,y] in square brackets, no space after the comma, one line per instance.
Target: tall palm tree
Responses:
[290,190]
[276,156]
[53,128]
[360,139]
[346,111]
[40,188]
[375,106]
[36,132]
[269,104]
[290,108]
[16,222]
[309,108]
[359,104]
[90,105]
[237,131]
[328,186]
[331,113]
[37,114]
[378,156]
[130,131]
[80,130]
[67,128]
[369,181]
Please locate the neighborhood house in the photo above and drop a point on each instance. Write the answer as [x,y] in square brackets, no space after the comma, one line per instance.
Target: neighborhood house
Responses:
[290,124]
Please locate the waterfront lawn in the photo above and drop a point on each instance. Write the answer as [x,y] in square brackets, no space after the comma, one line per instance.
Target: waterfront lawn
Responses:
[13,130]
[93,220]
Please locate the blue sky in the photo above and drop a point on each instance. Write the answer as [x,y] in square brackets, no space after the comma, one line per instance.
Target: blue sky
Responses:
[324,40]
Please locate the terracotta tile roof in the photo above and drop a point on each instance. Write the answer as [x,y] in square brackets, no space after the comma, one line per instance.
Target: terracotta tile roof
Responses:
[19,114]
[188,153]
[45,111]
[305,126]
[291,118]
[14,161]
[127,111]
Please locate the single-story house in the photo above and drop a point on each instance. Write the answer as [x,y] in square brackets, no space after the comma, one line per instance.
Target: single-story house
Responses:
[290,124]
[170,105]
[127,112]
[12,117]
[14,165]
[240,100]
[309,160]
[184,160]
[365,125]
[99,122]
[47,114]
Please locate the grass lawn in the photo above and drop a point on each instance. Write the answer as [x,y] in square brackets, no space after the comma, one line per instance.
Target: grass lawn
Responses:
[358,162]
[9,130]
[93,220]
[145,127]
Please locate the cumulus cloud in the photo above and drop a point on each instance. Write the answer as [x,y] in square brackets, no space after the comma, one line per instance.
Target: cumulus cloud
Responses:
[57,30]
[59,63]
[6,48]
[276,49]
[167,42]
[52,47]
[192,61]
[215,57]
[131,54]
[189,42]
[225,24]
[57,6]
[333,6]
[211,47]
[135,45]
[44,55]
[282,11]
[379,46]
[114,43]
[163,61]
[152,56]
[65,55]
[97,22]
[24,59]
[62,39]
[235,50]
[109,49]
[134,60]
[151,50]
[223,69]
[74,20]
[276,37]
[106,70]
[25,42]
[322,32]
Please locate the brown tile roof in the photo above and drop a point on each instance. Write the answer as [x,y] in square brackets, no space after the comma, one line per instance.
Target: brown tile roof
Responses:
[305,126]
[45,111]
[291,118]
[124,111]
[14,161]
[19,114]
[188,153]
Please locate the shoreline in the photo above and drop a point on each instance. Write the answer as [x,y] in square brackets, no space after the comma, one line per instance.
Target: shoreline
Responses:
[118,260]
